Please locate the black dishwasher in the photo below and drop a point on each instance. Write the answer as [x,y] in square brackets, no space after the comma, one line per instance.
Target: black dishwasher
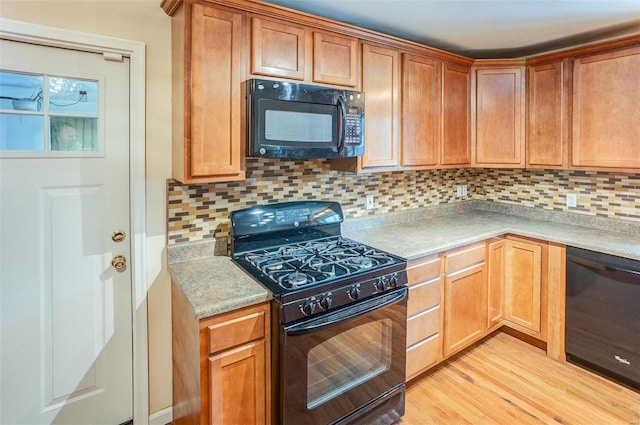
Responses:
[603,314]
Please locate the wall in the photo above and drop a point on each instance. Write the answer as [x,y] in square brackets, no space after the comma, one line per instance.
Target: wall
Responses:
[199,212]
[139,20]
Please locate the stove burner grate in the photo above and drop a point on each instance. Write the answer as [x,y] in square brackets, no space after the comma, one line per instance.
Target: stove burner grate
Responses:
[300,265]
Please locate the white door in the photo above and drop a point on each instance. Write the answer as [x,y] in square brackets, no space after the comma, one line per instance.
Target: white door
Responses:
[65,311]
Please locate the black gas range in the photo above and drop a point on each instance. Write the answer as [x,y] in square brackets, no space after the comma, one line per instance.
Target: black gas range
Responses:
[295,249]
[339,314]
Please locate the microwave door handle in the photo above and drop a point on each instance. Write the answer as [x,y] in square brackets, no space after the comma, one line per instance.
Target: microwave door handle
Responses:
[358,310]
[341,123]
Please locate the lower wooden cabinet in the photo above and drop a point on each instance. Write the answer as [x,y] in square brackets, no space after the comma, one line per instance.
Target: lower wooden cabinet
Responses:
[424,316]
[465,305]
[525,285]
[495,283]
[221,366]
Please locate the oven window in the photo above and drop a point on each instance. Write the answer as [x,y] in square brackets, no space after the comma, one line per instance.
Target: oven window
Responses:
[293,126]
[347,360]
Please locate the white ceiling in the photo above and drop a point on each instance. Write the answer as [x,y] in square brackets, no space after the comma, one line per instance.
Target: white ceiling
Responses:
[485,28]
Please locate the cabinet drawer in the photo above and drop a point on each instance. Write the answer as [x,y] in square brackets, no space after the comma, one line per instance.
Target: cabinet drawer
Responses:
[236,331]
[464,257]
[423,355]
[423,272]
[423,296]
[423,325]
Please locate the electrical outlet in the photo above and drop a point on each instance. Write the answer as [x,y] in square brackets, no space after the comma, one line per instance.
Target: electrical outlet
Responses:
[461,190]
[464,190]
[369,202]
[572,200]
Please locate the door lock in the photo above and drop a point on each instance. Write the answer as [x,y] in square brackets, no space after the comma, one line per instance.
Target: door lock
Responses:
[118,236]
[119,263]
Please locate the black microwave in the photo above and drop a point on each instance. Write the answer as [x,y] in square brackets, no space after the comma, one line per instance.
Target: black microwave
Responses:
[301,121]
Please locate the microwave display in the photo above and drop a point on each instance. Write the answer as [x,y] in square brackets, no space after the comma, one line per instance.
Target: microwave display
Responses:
[298,121]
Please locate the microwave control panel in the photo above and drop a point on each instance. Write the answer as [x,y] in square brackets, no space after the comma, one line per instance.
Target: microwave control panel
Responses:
[353,126]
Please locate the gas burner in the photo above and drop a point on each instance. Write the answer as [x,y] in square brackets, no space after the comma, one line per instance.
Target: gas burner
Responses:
[276,265]
[296,279]
[315,262]
[360,262]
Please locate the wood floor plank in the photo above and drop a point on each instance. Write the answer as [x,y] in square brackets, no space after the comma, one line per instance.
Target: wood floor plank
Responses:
[506,381]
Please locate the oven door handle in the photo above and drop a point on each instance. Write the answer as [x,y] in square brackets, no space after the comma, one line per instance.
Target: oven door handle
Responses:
[341,316]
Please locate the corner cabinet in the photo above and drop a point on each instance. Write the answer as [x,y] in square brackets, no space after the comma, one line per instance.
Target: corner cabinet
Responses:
[499,131]
[218,361]
[605,113]
[208,70]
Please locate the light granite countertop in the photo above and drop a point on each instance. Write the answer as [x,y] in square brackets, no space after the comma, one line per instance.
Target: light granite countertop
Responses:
[423,237]
[213,284]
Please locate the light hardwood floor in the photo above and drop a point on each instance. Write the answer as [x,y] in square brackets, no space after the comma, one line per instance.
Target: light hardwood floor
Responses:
[507,381]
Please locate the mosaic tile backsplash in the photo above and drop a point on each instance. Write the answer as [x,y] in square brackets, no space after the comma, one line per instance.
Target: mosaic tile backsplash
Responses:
[200,212]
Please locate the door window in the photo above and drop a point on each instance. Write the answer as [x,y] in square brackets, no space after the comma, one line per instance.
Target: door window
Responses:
[47,115]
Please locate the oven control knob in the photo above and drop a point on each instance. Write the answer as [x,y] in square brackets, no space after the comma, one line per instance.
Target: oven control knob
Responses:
[354,293]
[308,307]
[393,281]
[380,284]
[325,302]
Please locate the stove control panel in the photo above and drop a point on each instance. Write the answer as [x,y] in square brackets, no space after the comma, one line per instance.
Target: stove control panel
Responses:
[321,302]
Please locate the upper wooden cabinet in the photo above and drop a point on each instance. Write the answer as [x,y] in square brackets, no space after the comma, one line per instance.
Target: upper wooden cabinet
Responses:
[456,115]
[335,59]
[499,117]
[435,113]
[277,49]
[380,84]
[207,142]
[606,116]
[421,110]
[547,145]
[285,50]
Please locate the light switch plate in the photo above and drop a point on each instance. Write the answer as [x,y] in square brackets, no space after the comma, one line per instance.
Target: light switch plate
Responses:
[572,200]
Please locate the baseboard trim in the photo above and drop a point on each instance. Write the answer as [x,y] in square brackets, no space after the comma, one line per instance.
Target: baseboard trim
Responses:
[161,417]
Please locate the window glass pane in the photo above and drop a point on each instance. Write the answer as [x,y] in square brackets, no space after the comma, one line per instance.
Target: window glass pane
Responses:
[70,96]
[21,132]
[20,92]
[74,134]
[347,360]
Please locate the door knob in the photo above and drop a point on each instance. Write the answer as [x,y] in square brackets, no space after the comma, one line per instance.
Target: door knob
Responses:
[119,263]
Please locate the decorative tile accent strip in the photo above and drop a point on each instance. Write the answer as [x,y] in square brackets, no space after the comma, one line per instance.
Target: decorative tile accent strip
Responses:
[201,212]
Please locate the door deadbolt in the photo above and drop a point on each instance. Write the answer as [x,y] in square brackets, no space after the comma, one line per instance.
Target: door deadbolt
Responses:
[119,263]
[118,236]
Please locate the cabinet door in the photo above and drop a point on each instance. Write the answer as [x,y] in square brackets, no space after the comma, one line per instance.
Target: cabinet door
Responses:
[277,49]
[380,72]
[237,385]
[421,82]
[500,117]
[213,149]
[456,117]
[606,89]
[545,136]
[495,280]
[335,59]
[464,308]
[523,283]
